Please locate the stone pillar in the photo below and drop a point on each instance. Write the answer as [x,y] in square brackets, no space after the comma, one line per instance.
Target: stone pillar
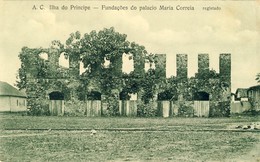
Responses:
[139,63]
[74,66]
[160,65]
[182,75]
[182,66]
[203,63]
[225,76]
[225,67]
[53,57]
[117,65]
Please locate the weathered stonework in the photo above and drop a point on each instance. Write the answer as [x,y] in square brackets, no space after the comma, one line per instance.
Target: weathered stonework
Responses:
[76,87]
[139,63]
[74,67]
[203,63]
[182,66]
[160,65]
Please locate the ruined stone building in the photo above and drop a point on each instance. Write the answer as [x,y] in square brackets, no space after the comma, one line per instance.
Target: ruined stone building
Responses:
[205,94]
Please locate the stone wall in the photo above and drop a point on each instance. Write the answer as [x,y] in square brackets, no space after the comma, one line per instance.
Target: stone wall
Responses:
[182,66]
[69,81]
[203,63]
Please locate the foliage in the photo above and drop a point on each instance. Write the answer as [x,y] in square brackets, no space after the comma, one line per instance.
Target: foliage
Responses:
[92,49]
[146,109]
[251,112]
[185,110]
[220,109]
[149,86]
[124,95]
[74,108]
[106,45]
[170,90]
[94,95]
[132,82]
[29,58]
[38,106]
[205,75]
[165,95]
[96,48]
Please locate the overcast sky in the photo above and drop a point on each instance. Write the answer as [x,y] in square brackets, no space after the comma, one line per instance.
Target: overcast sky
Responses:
[234,29]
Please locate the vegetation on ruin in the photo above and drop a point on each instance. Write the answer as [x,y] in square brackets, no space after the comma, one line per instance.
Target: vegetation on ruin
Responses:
[95,50]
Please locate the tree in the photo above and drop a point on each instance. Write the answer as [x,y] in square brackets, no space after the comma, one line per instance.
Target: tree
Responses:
[94,49]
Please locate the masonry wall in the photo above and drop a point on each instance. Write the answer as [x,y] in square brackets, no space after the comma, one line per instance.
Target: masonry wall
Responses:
[218,88]
[225,75]
[254,98]
[160,65]
[139,63]
[238,107]
[74,67]
[182,66]
[203,63]
[225,67]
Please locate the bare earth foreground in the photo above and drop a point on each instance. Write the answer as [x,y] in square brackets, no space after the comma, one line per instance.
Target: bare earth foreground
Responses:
[28,138]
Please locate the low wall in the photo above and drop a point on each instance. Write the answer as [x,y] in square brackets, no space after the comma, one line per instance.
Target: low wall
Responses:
[164,108]
[238,107]
[96,108]
[185,108]
[93,108]
[201,108]
[128,108]
[56,107]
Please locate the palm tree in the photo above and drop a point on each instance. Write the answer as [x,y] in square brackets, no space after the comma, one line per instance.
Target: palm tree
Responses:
[257,78]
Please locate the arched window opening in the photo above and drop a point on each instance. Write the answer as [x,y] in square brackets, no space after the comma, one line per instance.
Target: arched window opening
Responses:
[149,65]
[128,63]
[63,61]
[94,95]
[56,95]
[124,95]
[201,96]
[166,95]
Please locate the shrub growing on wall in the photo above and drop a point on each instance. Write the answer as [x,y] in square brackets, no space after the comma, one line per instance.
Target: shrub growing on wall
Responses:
[92,49]
[74,108]
[185,109]
[146,109]
[220,109]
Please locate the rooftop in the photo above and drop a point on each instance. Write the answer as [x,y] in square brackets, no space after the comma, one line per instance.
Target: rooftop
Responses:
[8,90]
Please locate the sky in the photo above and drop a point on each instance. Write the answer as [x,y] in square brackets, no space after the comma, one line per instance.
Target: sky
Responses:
[233,29]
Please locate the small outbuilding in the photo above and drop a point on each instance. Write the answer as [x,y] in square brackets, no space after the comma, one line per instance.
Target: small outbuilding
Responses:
[11,99]
[254,96]
[241,94]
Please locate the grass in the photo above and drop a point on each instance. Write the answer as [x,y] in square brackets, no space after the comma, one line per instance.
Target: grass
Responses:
[172,139]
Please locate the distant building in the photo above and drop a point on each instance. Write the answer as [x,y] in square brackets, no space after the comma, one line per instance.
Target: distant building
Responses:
[246,99]
[241,94]
[11,99]
[254,96]
[233,97]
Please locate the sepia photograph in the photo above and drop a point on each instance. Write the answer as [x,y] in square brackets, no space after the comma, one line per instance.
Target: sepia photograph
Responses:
[130,80]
